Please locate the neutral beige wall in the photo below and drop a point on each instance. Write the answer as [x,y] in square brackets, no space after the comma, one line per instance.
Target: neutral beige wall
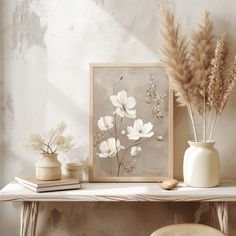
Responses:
[46,46]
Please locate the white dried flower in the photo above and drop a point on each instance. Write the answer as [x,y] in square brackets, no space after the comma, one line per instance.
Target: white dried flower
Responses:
[35,142]
[52,143]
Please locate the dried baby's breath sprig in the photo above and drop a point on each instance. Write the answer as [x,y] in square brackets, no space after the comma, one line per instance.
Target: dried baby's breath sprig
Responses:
[176,60]
[53,142]
[35,142]
[155,99]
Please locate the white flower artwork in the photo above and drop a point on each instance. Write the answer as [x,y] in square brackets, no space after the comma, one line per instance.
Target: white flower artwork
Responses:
[124,105]
[109,148]
[130,112]
[105,123]
[135,150]
[140,130]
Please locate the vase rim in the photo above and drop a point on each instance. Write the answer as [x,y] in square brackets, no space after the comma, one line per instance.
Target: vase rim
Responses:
[201,143]
[74,166]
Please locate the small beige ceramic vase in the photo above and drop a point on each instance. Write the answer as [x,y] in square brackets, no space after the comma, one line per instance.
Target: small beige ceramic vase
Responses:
[74,170]
[48,167]
[201,165]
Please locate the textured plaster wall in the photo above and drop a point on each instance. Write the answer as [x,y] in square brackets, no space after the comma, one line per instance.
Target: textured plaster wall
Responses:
[45,49]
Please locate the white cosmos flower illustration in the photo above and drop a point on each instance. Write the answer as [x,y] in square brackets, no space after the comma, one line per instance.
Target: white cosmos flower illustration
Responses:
[135,150]
[109,148]
[124,105]
[105,123]
[140,130]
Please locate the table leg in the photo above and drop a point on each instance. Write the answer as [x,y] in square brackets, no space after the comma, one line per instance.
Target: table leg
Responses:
[29,215]
[203,208]
[221,212]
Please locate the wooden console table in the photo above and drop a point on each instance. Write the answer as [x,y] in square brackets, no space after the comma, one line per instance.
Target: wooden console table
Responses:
[115,192]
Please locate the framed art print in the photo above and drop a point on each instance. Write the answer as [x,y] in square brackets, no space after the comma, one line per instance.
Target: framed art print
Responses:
[131,123]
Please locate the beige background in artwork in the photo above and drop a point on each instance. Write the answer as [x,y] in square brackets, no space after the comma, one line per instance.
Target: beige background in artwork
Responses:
[46,47]
[154,162]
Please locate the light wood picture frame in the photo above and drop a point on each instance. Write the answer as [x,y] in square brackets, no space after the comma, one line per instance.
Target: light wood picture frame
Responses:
[131,123]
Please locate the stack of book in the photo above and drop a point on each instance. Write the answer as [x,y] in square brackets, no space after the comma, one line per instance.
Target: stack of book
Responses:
[30,182]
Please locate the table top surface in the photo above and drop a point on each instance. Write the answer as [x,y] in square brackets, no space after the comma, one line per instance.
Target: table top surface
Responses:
[226,191]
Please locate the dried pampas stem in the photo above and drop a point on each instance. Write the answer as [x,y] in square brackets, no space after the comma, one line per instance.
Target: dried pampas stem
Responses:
[208,122]
[175,56]
[221,84]
[176,61]
[202,52]
[198,77]
[190,110]
[228,84]
[204,117]
[216,76]
[201,55]
[216,117]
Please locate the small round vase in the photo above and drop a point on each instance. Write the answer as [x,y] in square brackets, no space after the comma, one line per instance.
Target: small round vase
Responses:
[201,165]
[48,167]
[74,170]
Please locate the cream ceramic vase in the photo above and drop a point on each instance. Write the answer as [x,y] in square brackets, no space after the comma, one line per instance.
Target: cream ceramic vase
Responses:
[48,167]
[201,165]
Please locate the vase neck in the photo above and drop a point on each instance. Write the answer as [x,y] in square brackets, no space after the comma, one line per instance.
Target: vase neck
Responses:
[205,144]
[50,155]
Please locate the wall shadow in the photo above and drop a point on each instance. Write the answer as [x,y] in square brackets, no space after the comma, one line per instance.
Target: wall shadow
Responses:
[2,110]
